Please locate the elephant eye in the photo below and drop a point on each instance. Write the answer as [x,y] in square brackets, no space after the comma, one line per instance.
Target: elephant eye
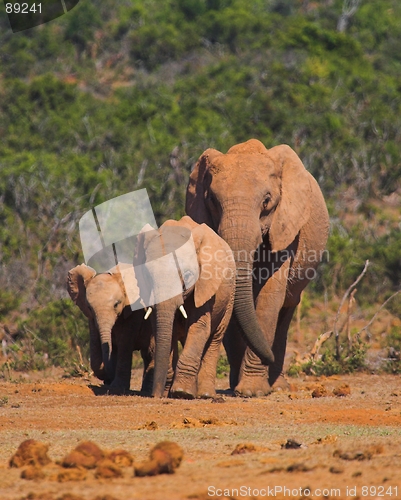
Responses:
[211,197]
[266,201]
[188,278]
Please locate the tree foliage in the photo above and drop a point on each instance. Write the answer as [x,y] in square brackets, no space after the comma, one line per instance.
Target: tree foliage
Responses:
[116,96]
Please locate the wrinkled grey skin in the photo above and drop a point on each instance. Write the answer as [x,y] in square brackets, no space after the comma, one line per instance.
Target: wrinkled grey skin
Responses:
[208,304]
[115,330]
[265,200]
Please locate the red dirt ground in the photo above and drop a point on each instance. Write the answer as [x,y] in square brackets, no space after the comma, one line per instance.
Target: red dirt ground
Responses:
[350,445]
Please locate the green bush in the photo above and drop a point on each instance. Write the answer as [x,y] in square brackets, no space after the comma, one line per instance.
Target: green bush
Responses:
[54,332]
[9,301]
[223,367]
[393,346]
[93,104]
[351,360]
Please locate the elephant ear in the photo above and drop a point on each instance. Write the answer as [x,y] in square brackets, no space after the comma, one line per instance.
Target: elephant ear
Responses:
[195,205]
[294,208]
[77,280]
[146,234]
[209,248]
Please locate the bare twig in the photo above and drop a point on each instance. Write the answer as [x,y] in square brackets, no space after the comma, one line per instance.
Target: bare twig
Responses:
[336,331]
[325,336]
[349,9]
[81,361]
[319,342]
[376,313]
[351,302]
[298,329]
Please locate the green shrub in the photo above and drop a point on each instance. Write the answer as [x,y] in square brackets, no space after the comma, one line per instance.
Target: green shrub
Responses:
[9,301]
[54,332]
[223,367]
[350,360]
[393,345]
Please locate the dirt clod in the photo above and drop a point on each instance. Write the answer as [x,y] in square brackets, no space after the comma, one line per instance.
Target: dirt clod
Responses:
[32,472]
[90,448]
[73,474]
[299,467]
[319,392]
[243,448]
[336,470]
[121,458]
[70,496]
[30,452]
[291,444]
[342,390]
[355,455]
[106,469]
[149,426]
[165,457]
[87,454]
[105,497]
[38,496]
[329,439]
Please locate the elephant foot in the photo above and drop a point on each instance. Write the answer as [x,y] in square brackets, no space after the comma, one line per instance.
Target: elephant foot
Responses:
[183,390]
[207,395]
[253,386]
[281,384]
[206,391]
[181,394]
[119,387]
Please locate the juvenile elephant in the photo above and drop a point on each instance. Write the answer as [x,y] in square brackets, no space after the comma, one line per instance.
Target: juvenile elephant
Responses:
[271,212]
[191,273]
[115,330]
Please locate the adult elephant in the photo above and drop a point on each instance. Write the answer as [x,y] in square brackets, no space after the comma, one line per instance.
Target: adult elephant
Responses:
[115,330]
[271,212]
[190,274]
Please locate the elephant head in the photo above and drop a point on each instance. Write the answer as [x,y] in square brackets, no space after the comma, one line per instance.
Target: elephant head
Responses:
[181,266]
[103,299]
[247,196]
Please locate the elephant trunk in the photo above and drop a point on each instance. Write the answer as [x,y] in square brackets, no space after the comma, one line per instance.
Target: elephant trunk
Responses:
[96,356]
[164,331]
[243,241]
[105,326]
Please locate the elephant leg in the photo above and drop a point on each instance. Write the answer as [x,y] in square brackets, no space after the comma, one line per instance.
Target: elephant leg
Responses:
[279,347]
[253,375]
[188,365]
[235,346]
[145,341]
[208,368]
[148,372]
[123,346]
[147,379]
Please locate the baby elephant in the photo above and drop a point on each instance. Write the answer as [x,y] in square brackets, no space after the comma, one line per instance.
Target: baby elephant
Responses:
[115,330]
[188,275]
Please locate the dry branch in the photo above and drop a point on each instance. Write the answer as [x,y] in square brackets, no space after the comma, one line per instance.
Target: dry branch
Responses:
[336,331]
[376,313]
[351,291]
[325,336]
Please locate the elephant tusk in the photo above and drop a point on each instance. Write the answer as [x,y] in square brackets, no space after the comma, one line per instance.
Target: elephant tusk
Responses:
[148,312]
[183,311]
